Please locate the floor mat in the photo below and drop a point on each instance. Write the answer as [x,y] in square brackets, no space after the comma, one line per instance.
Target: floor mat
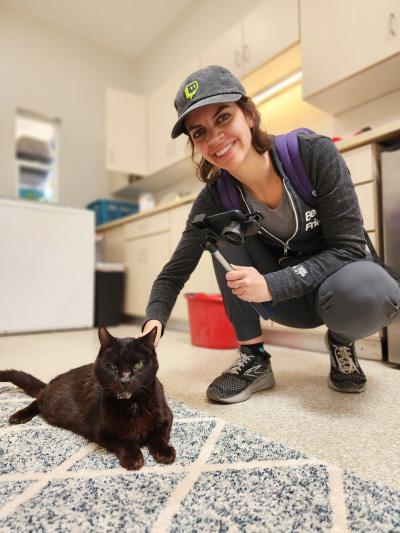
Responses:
[225,479]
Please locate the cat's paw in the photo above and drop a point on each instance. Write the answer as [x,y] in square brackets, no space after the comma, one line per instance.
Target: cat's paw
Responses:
[165,454]
[131,462]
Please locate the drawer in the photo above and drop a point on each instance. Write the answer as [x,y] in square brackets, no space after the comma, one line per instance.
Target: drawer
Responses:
[366,199]
[147,226]
[360,162]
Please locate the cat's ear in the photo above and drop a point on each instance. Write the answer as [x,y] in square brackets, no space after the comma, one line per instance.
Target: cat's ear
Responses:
[150,337]
[105,337]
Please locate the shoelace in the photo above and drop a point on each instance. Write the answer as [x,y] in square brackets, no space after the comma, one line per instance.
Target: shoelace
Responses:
[344,359]
[239,363]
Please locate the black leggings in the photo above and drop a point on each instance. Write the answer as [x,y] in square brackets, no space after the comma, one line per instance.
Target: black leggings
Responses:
[356,301]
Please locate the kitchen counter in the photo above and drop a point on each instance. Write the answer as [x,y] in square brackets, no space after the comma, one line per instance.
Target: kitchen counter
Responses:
[378,134]
[158,209]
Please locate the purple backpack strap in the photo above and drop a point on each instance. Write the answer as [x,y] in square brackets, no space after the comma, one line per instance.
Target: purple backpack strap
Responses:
[227,191]
[288,149]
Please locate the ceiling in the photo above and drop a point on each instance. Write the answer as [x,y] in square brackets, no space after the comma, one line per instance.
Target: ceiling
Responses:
[128,27]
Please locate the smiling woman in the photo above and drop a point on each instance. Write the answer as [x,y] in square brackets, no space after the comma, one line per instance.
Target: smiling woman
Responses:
[308,258]
[227,118]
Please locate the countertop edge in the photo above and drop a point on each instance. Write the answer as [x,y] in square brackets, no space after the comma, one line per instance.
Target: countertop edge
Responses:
[164,207]
[378,133]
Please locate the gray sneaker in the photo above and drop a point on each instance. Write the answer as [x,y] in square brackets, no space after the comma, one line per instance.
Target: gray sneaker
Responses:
[249,373]
[346,374]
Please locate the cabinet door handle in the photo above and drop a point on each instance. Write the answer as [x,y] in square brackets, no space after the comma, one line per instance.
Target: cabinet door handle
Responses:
[393,27]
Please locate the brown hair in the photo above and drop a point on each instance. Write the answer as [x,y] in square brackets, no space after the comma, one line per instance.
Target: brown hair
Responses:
[260,139]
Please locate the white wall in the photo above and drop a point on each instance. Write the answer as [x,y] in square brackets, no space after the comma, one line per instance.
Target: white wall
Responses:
[58,75]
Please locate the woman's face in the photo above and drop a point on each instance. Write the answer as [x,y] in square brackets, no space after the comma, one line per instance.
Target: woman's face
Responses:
[221,134]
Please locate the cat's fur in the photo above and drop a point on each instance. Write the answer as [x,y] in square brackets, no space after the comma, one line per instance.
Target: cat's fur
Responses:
[111,401]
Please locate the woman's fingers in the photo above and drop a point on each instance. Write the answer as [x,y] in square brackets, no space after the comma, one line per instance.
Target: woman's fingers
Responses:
[235,275]
[234,284]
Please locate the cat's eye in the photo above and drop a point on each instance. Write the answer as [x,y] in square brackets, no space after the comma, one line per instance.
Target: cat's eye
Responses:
[113,366]
[138,365]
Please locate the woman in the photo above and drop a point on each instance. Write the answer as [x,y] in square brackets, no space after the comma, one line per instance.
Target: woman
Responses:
[310,264]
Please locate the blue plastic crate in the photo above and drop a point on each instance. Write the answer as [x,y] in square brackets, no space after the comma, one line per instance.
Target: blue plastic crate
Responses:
[108,210]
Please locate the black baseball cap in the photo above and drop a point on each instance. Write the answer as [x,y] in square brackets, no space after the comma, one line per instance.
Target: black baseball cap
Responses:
[210,85]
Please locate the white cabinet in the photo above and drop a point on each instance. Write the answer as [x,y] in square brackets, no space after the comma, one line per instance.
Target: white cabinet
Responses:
[362,164]
[269,29]
[164,151]
[126,149]
[226,51]
[144,259]
[112,245]
[350,51]
[264,32]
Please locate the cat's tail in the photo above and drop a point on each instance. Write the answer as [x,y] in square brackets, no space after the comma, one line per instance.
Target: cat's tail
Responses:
[28,383]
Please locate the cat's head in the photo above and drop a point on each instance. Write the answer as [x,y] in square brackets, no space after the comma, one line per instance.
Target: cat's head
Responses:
[126,366]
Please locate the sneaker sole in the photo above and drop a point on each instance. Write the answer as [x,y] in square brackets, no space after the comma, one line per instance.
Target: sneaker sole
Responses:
[356,389]
[264,383]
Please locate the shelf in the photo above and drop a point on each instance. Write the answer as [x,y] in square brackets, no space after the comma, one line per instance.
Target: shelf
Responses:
[161,179]
[34,164]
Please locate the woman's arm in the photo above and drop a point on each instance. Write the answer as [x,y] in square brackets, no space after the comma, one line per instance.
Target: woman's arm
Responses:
[184,260]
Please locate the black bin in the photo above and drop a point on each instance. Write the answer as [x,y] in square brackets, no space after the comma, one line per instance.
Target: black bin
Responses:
[109,294]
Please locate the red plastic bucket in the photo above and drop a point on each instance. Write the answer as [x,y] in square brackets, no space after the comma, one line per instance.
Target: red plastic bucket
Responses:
[209,325]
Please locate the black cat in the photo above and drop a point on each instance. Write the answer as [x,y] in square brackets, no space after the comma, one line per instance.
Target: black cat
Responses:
[117,401]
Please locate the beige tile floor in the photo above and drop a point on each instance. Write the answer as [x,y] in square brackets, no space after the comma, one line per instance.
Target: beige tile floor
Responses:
[359,432]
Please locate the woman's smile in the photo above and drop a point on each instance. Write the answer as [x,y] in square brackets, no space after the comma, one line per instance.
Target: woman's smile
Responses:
[225,152]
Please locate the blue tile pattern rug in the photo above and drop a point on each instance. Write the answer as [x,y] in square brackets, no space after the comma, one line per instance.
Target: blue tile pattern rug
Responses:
[225,479]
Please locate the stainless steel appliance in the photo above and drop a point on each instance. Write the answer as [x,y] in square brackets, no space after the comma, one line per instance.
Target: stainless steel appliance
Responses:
[390,173]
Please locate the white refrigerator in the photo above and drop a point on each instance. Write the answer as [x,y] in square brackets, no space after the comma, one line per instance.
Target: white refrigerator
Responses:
[46,267]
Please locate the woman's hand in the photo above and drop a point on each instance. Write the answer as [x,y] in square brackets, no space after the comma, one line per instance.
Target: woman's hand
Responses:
[248,284]
[149,326]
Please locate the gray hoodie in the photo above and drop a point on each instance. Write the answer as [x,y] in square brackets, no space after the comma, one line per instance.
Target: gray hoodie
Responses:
[326,238]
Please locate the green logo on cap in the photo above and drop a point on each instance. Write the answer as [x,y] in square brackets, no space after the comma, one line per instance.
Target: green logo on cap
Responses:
[191,89]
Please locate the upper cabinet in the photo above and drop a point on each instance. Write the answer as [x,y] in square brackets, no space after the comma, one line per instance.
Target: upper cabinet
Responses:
[226,51]
[164,151]
[264,32]
[268,30]
[126,148]
[350,51]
